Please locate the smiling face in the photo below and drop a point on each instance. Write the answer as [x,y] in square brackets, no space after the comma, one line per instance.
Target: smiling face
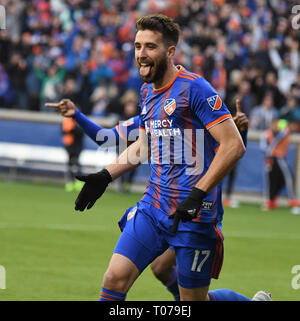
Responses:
[152,55]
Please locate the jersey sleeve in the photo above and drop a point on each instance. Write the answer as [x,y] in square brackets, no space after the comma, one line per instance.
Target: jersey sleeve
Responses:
[206,104]
[97,133]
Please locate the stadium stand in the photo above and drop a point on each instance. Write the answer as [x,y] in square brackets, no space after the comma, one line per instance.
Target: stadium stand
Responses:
[247,49]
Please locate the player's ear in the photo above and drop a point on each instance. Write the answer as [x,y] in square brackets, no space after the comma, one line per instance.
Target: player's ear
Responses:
[171,51]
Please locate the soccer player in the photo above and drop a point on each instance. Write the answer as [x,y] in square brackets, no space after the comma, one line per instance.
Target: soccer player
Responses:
[172,101]
[176,108]
[275,143]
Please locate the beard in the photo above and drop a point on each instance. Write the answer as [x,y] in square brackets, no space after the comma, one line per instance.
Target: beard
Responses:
[157,72]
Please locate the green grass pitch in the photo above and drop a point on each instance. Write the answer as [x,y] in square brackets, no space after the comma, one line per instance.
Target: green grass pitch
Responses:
[51,252]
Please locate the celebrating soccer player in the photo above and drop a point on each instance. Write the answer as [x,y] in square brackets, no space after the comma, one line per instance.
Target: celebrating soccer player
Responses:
[193,145]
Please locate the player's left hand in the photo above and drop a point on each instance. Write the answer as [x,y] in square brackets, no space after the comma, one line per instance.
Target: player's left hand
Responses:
[188,209]
[95,185]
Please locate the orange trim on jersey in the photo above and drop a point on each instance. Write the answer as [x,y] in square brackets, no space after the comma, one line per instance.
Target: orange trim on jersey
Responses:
[184,72]
[220,119]
[169,84]
[140,127]
[121,133]
[186,77]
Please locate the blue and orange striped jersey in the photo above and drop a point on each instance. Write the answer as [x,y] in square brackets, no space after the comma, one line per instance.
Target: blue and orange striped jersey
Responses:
[177,119]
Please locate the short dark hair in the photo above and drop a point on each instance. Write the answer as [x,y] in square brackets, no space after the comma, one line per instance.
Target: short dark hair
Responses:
[161,23]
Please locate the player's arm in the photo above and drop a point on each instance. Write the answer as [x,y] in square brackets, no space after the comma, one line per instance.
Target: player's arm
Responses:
[96,184]
[231,149]
[99,134]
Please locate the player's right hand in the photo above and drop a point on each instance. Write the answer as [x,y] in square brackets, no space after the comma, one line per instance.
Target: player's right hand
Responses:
[65,107]
[95,185]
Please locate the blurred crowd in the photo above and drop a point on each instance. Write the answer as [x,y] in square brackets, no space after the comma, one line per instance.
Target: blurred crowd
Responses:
[83,50]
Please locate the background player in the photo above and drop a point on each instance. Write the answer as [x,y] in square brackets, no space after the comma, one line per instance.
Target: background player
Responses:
[274,143]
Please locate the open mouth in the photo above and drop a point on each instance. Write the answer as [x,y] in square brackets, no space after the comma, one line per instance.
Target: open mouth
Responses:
[145,69]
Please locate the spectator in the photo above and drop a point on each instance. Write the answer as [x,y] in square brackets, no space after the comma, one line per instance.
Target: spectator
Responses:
[291,110]
[262,115]
[84,87]
[218,38]
[5,92]
[219,77]
[115,106]
[50,81]
[99,99]
[130,103]
[17,71]
[287,66]
[271,85]
[245,97]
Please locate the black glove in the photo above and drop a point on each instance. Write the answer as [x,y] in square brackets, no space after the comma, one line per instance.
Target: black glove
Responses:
[95,185]
[188,209]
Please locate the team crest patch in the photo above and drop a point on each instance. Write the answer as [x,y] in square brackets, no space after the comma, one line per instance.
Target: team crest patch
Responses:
[131,214]
[214,102]
[170,106]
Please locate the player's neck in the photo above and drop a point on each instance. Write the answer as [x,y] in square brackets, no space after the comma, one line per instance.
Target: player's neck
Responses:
[169,75]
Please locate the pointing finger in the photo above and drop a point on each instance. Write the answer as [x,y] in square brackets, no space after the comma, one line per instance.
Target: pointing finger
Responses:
[52,105]
[238,106]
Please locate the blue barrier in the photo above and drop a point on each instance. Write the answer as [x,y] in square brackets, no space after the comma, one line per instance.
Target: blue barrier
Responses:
[250,169]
